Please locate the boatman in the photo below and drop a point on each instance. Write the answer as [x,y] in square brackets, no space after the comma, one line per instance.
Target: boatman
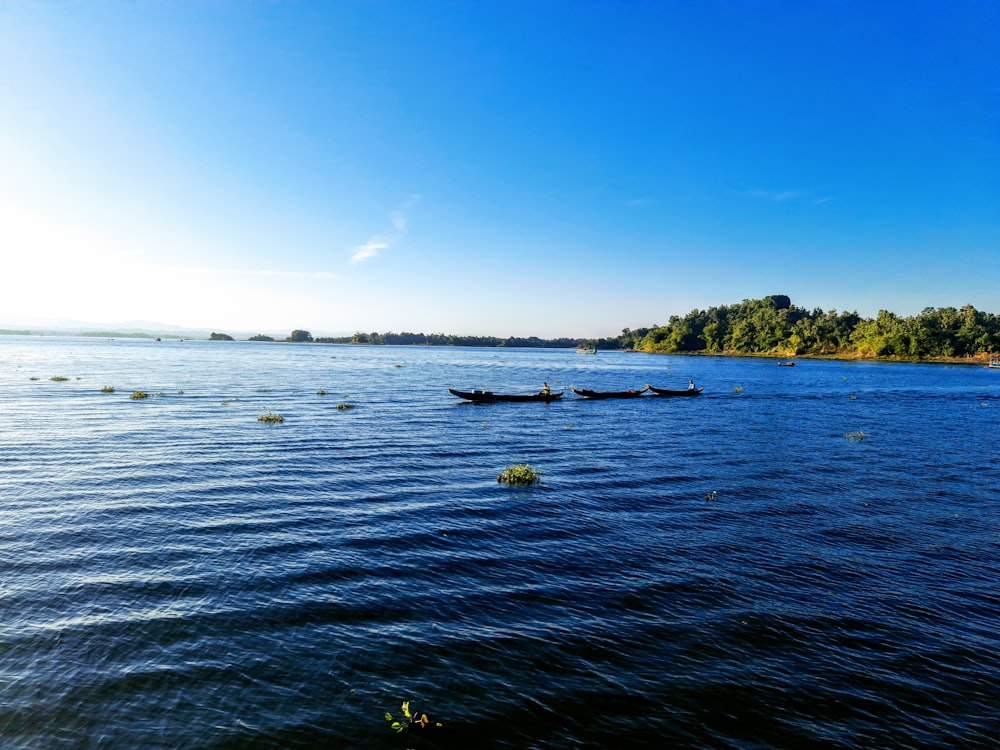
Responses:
[545,388]
[690,385]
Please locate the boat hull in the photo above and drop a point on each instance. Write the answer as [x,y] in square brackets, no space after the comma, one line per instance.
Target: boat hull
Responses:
[668,392]
[488,397]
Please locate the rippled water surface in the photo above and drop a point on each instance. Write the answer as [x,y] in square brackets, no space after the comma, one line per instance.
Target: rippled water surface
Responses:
[801,557]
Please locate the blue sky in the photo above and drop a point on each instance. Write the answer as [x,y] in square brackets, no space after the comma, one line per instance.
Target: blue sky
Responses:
[499,168]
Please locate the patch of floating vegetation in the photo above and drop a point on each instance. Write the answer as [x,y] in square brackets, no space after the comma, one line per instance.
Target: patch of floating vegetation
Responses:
[521,475]
[320,392]
[34,377]
[859,435]
[738,389]
[398,365]
[108,389]
[271,417]
[344,406]
[159,393]
[58,378]
[139,395]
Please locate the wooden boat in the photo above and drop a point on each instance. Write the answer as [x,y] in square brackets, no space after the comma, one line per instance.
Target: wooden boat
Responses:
[586,350]
[608,394]
[786,364]
[489,397]
[668,392]
[994,364]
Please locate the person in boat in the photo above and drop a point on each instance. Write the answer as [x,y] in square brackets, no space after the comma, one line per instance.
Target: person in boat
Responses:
[545,388]
[690,385]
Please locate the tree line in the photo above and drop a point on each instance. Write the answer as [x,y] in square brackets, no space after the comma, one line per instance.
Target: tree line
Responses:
[773,325]
[444,339]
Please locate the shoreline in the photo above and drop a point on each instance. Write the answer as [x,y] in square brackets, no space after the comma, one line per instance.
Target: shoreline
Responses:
[982,360]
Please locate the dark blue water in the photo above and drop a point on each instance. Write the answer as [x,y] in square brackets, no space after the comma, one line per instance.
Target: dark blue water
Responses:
[801,557]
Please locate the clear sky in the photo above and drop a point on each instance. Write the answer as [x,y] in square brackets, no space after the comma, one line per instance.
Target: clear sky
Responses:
[524,167]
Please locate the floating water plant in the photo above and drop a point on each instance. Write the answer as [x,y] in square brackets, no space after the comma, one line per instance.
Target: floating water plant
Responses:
[859,435]
[738,389]
[344,406]
[412,721]
[108,389]
[521,475]
[58,378]
[320,392]
[34,377]
[271,417]
[138,395]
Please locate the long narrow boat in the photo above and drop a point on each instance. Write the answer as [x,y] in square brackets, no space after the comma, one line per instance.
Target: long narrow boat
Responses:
[608,394]
[489,397]
[668,392]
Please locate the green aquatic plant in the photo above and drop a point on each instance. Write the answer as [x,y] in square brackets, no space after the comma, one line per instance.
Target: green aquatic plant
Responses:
[859,435]
[108,389]
[412,721]
[58,378]
[271,417]
[344,406]
[521,475]
[159,393]
[34,377]
[738,389]
[398,364]
[138,395]
[320,392]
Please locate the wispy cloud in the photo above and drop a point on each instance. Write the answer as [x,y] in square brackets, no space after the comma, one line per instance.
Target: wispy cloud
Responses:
[370,249]
[775,195]
[780,196]
[379,242]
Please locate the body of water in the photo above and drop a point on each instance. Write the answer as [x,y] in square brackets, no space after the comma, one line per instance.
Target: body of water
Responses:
[800,557]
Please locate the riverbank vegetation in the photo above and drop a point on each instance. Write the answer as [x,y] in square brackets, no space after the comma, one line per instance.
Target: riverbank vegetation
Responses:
[775,326]
[771,326]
